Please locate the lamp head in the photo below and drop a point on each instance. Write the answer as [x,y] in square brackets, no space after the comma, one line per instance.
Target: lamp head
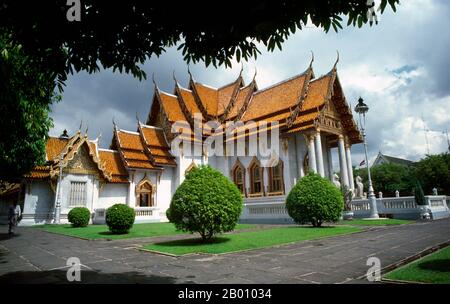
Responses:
[361,107]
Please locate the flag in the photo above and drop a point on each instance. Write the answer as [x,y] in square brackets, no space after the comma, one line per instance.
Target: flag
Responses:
[362,163]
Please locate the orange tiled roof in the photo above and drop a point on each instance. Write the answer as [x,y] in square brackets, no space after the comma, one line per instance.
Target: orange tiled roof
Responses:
[209,97]
[113,164]
[157,145]
[39,172]
[189,99]
[317,93]
[225,94]
[274,99]
[133,151]
[54,146]
[275,103]
[172,107]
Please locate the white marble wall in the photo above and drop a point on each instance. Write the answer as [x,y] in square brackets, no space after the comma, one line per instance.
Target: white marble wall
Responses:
[38,203]
[111,194]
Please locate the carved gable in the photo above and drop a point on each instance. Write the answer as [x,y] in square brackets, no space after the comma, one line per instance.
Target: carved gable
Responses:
[329,119]
[82,163]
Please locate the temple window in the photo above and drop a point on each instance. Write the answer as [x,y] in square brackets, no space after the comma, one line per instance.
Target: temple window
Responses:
[145,195]
[256,179]
[276,179]
[238,174]
[77,195]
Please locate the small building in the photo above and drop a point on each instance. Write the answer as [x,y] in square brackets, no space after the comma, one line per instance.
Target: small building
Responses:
[386,159]
[302,119]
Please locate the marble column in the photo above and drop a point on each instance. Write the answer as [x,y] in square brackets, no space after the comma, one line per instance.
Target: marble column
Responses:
[319,154]
[131,193]
[330,163]
[342,161]
[348,156]
[312,155]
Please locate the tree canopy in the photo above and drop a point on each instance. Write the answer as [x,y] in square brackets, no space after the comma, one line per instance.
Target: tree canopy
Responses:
[26,93]
[45,46]
[432,171]
[122,35]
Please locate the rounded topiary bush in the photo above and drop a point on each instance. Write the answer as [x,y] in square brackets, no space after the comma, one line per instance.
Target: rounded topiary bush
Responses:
[206,202]
[314,199]
[119,218]
[79,216]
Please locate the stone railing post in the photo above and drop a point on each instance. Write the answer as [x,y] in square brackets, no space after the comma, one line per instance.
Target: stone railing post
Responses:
[397,193]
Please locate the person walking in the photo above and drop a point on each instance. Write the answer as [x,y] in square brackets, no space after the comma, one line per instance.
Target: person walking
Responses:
[12,218]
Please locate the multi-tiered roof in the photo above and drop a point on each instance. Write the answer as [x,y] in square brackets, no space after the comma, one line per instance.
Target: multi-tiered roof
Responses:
[296,104]
[301,103]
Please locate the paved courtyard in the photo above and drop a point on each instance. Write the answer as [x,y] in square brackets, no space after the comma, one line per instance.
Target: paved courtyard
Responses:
[35,256]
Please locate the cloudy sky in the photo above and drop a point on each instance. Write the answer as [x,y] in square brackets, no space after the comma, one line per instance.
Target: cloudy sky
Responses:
[400,68]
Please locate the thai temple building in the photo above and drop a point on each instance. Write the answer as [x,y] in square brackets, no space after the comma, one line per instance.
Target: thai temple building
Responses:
[303,117]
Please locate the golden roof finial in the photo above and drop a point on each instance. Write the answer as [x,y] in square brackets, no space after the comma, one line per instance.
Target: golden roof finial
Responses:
[337,60]
[137,118]
[114,124]
[191,78]
[174,78]
[154,82]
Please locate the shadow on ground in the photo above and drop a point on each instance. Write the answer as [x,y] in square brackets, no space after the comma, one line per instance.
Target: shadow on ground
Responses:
[194,242]
[87,277]
[7,236]
[442,265]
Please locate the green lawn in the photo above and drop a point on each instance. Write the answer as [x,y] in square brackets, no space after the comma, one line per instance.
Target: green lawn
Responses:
[361,222]
[249,240]
[434,268]
[93,232]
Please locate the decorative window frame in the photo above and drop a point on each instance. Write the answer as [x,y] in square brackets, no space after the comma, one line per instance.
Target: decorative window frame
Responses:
[270,191]
[237,165]
[252,193]
[138,192]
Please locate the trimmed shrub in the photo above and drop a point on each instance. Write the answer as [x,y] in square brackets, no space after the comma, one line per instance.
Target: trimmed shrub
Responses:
[206,202]
[314,199]
[119,218]
[79,216]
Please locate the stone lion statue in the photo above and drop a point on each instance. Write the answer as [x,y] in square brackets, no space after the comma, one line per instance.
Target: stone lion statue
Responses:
[336,181]
[359,191]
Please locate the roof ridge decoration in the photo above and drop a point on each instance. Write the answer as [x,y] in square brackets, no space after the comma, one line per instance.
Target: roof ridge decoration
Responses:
[238,84]
[166,126]
[116,137]
[151,127]
[249,96]
[182,103]
[197,98]
[145,146]
[303,93]
[108,150]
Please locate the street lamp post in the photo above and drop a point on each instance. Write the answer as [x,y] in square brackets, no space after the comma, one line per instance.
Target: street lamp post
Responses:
[58,195]
[361,108]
